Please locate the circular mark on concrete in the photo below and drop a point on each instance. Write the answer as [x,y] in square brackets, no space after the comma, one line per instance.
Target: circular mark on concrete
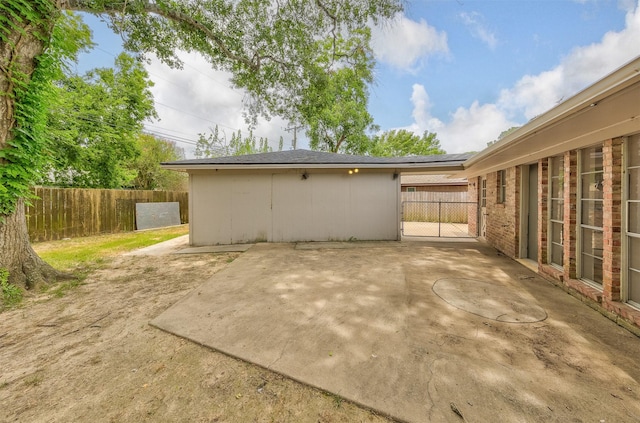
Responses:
[493,301]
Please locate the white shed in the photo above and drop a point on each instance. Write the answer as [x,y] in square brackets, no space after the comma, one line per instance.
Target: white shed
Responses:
[299,195]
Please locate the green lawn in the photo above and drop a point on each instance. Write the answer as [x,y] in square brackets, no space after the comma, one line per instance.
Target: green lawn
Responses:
[73,254]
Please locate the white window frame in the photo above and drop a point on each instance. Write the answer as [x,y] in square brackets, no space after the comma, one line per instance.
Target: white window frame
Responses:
[550,221]
[625,262]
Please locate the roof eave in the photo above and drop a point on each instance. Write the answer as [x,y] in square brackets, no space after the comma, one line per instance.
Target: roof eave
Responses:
[446,167]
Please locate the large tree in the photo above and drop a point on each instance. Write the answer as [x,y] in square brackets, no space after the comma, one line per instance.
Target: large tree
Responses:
[94,125]
[400,142]
[334,108]
[267,45]
[149,174]
[216,144]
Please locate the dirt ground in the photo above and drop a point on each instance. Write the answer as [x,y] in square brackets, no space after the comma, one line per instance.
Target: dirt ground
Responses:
[91,356]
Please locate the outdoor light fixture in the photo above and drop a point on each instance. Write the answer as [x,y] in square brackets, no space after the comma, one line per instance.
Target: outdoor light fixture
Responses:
[352,171]
[305,176]
[395,175]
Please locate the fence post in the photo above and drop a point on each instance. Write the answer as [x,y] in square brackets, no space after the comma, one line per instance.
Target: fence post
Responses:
[439,216]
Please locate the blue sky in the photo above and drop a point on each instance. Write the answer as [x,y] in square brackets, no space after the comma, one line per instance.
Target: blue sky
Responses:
[466,70]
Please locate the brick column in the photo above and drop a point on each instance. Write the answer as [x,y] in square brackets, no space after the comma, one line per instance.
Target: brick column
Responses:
[473,196]
[543,210]
[569,246]
[612,218]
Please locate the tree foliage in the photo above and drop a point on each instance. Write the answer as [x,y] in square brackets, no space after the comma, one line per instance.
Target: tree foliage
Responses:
[397,143]
[268,46]
[271,47]
[27,98]
[149,174]
[95,124]
[334,107]
[216,144]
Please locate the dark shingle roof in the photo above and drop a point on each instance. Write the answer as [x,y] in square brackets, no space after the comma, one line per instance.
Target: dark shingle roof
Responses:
[307,157]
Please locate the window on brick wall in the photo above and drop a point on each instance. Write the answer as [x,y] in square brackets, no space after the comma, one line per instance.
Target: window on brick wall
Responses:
[502,186]
[411,189]
[556,210]
[633,220]
[591,213]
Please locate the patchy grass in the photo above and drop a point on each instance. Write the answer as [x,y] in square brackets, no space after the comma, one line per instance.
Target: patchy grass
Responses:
[80,255]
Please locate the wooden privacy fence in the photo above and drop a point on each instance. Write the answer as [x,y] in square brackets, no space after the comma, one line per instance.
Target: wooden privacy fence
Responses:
[73,212]
[445,196]
[443,207]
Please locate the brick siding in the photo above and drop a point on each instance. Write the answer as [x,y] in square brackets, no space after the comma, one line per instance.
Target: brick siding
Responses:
[503,223]
[503,220]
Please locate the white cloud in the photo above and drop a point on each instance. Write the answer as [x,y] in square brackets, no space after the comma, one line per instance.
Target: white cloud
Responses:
[472,127]
[468,129]
[535,94]
[406,44]
[474,21]
[194,99]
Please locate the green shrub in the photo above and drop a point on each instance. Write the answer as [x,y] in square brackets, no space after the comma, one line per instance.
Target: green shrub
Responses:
[11,295]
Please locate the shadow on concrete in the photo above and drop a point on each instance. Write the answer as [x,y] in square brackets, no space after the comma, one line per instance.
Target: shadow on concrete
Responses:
[414,330]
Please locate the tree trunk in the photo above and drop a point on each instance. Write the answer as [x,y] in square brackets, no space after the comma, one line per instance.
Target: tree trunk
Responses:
[18,59]
[26,269]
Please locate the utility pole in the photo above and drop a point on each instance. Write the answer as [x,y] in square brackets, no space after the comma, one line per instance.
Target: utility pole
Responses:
[295,133]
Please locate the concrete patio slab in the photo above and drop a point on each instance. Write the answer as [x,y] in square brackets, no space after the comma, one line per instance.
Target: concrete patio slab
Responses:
[418,332]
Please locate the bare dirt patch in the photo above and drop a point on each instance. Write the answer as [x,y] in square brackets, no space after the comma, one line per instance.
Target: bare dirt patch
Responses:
[92,356]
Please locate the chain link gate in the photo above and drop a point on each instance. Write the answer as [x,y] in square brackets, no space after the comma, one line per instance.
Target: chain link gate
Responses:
[445,219]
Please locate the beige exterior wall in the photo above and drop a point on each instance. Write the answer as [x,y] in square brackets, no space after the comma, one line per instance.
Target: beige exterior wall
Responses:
[236,207]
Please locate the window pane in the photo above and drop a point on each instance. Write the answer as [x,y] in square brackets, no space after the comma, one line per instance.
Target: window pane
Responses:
[634,286]
[634,218]
[634,253]
[587,267]
[592,242]
[556,188]
[556,232]
[591,159]
[592,186]
[592,213]
[634,184]
[556,254]
[592,269]
[558,166]
[634,150]
[557,209]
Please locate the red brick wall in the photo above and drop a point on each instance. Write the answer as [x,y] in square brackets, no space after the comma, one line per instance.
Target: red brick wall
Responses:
[503,220]
[612,218]
[473,196]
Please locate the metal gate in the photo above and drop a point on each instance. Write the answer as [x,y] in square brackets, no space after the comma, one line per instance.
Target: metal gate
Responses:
[445,219]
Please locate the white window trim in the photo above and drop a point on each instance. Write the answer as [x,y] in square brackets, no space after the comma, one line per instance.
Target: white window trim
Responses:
[550,222]
[579,224]
[624,259]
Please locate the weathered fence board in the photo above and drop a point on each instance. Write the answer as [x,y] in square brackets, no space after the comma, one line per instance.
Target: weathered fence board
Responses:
[73,212]
[445,196]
